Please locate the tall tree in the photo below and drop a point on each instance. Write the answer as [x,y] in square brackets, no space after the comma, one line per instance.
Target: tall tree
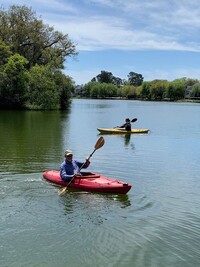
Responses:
[135,78]
[31,38]
[107,77]
[32,55]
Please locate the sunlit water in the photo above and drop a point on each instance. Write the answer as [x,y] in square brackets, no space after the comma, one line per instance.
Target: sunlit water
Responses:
[156,224]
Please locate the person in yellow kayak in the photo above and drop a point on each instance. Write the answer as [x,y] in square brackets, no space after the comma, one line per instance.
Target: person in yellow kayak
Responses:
[126,125]
[70,167]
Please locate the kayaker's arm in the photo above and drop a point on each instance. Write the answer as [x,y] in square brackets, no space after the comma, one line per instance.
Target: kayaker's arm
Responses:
[122,126]
[83,165]
[64,175]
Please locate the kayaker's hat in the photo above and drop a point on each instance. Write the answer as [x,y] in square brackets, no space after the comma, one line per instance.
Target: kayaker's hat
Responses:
[128,120]
[68,152]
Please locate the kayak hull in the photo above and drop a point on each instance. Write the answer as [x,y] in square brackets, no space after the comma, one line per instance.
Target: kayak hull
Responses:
[90,182]
[122,131]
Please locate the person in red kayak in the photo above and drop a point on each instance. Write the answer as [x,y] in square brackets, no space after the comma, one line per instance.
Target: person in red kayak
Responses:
[70,167]
[126,125]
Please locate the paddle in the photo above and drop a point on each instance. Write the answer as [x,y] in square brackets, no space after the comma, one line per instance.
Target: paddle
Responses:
[100,142]
[134,120]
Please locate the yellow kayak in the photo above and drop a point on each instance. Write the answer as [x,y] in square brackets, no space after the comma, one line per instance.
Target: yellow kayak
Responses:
[122,131]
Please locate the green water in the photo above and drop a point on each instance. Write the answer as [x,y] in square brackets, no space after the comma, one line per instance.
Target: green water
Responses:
[156,224]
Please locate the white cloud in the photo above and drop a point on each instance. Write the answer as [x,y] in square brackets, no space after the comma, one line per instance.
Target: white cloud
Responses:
[124,25]
[103,32]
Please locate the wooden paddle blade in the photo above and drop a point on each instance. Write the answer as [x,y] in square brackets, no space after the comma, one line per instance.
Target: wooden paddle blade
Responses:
[62,191]
[134,120]
[100,142]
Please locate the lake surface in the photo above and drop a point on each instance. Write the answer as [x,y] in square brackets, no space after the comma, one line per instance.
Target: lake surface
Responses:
[156,224]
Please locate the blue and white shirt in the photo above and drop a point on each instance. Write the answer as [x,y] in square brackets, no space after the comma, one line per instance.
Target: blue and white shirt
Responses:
[68,169]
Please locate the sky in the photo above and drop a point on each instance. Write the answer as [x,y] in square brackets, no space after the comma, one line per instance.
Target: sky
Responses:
[159,39]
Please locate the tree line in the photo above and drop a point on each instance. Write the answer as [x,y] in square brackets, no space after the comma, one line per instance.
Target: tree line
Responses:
[32,57]
[105,85]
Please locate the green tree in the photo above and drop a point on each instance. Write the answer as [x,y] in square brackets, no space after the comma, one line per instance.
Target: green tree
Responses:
[5,53]
[176,89]
[29,48]
[87,89]
[127,91]
[133,92]
[49,89]
[196,90]
[43,92]
[104,77]
[135,78]
[99,90]
[190,82]
[94,90]
[31,38]
[107,90]
[145,90]
[107,77]
[14,83]
[117,81]
[158,89]
[65,87]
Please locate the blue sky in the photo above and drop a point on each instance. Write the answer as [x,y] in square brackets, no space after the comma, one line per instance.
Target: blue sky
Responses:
[159,39]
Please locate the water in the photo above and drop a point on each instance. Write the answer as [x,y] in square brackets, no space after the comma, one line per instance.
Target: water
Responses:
[156,224]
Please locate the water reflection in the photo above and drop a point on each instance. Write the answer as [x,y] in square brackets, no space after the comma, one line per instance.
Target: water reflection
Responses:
[127,139]
[86,202]
[29,138]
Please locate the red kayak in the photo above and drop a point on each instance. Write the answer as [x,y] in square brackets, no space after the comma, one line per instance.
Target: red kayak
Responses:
[90,181]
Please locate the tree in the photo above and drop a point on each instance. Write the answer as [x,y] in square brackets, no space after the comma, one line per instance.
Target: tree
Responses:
[145,91]
[32,55]
[14,83]
[135,78]
[196,90]
[99,90]
[158,89]
[104,77]
[107,77]
[43,92]
[65,86]
[176,89]
[5,53]
[48,88]
[31,38]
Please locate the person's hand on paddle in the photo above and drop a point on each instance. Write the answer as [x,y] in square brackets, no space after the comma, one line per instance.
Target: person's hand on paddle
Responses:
[87,162]
[77,175]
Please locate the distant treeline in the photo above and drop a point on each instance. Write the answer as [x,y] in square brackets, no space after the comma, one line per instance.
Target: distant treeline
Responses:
[32,56]
[135,88]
